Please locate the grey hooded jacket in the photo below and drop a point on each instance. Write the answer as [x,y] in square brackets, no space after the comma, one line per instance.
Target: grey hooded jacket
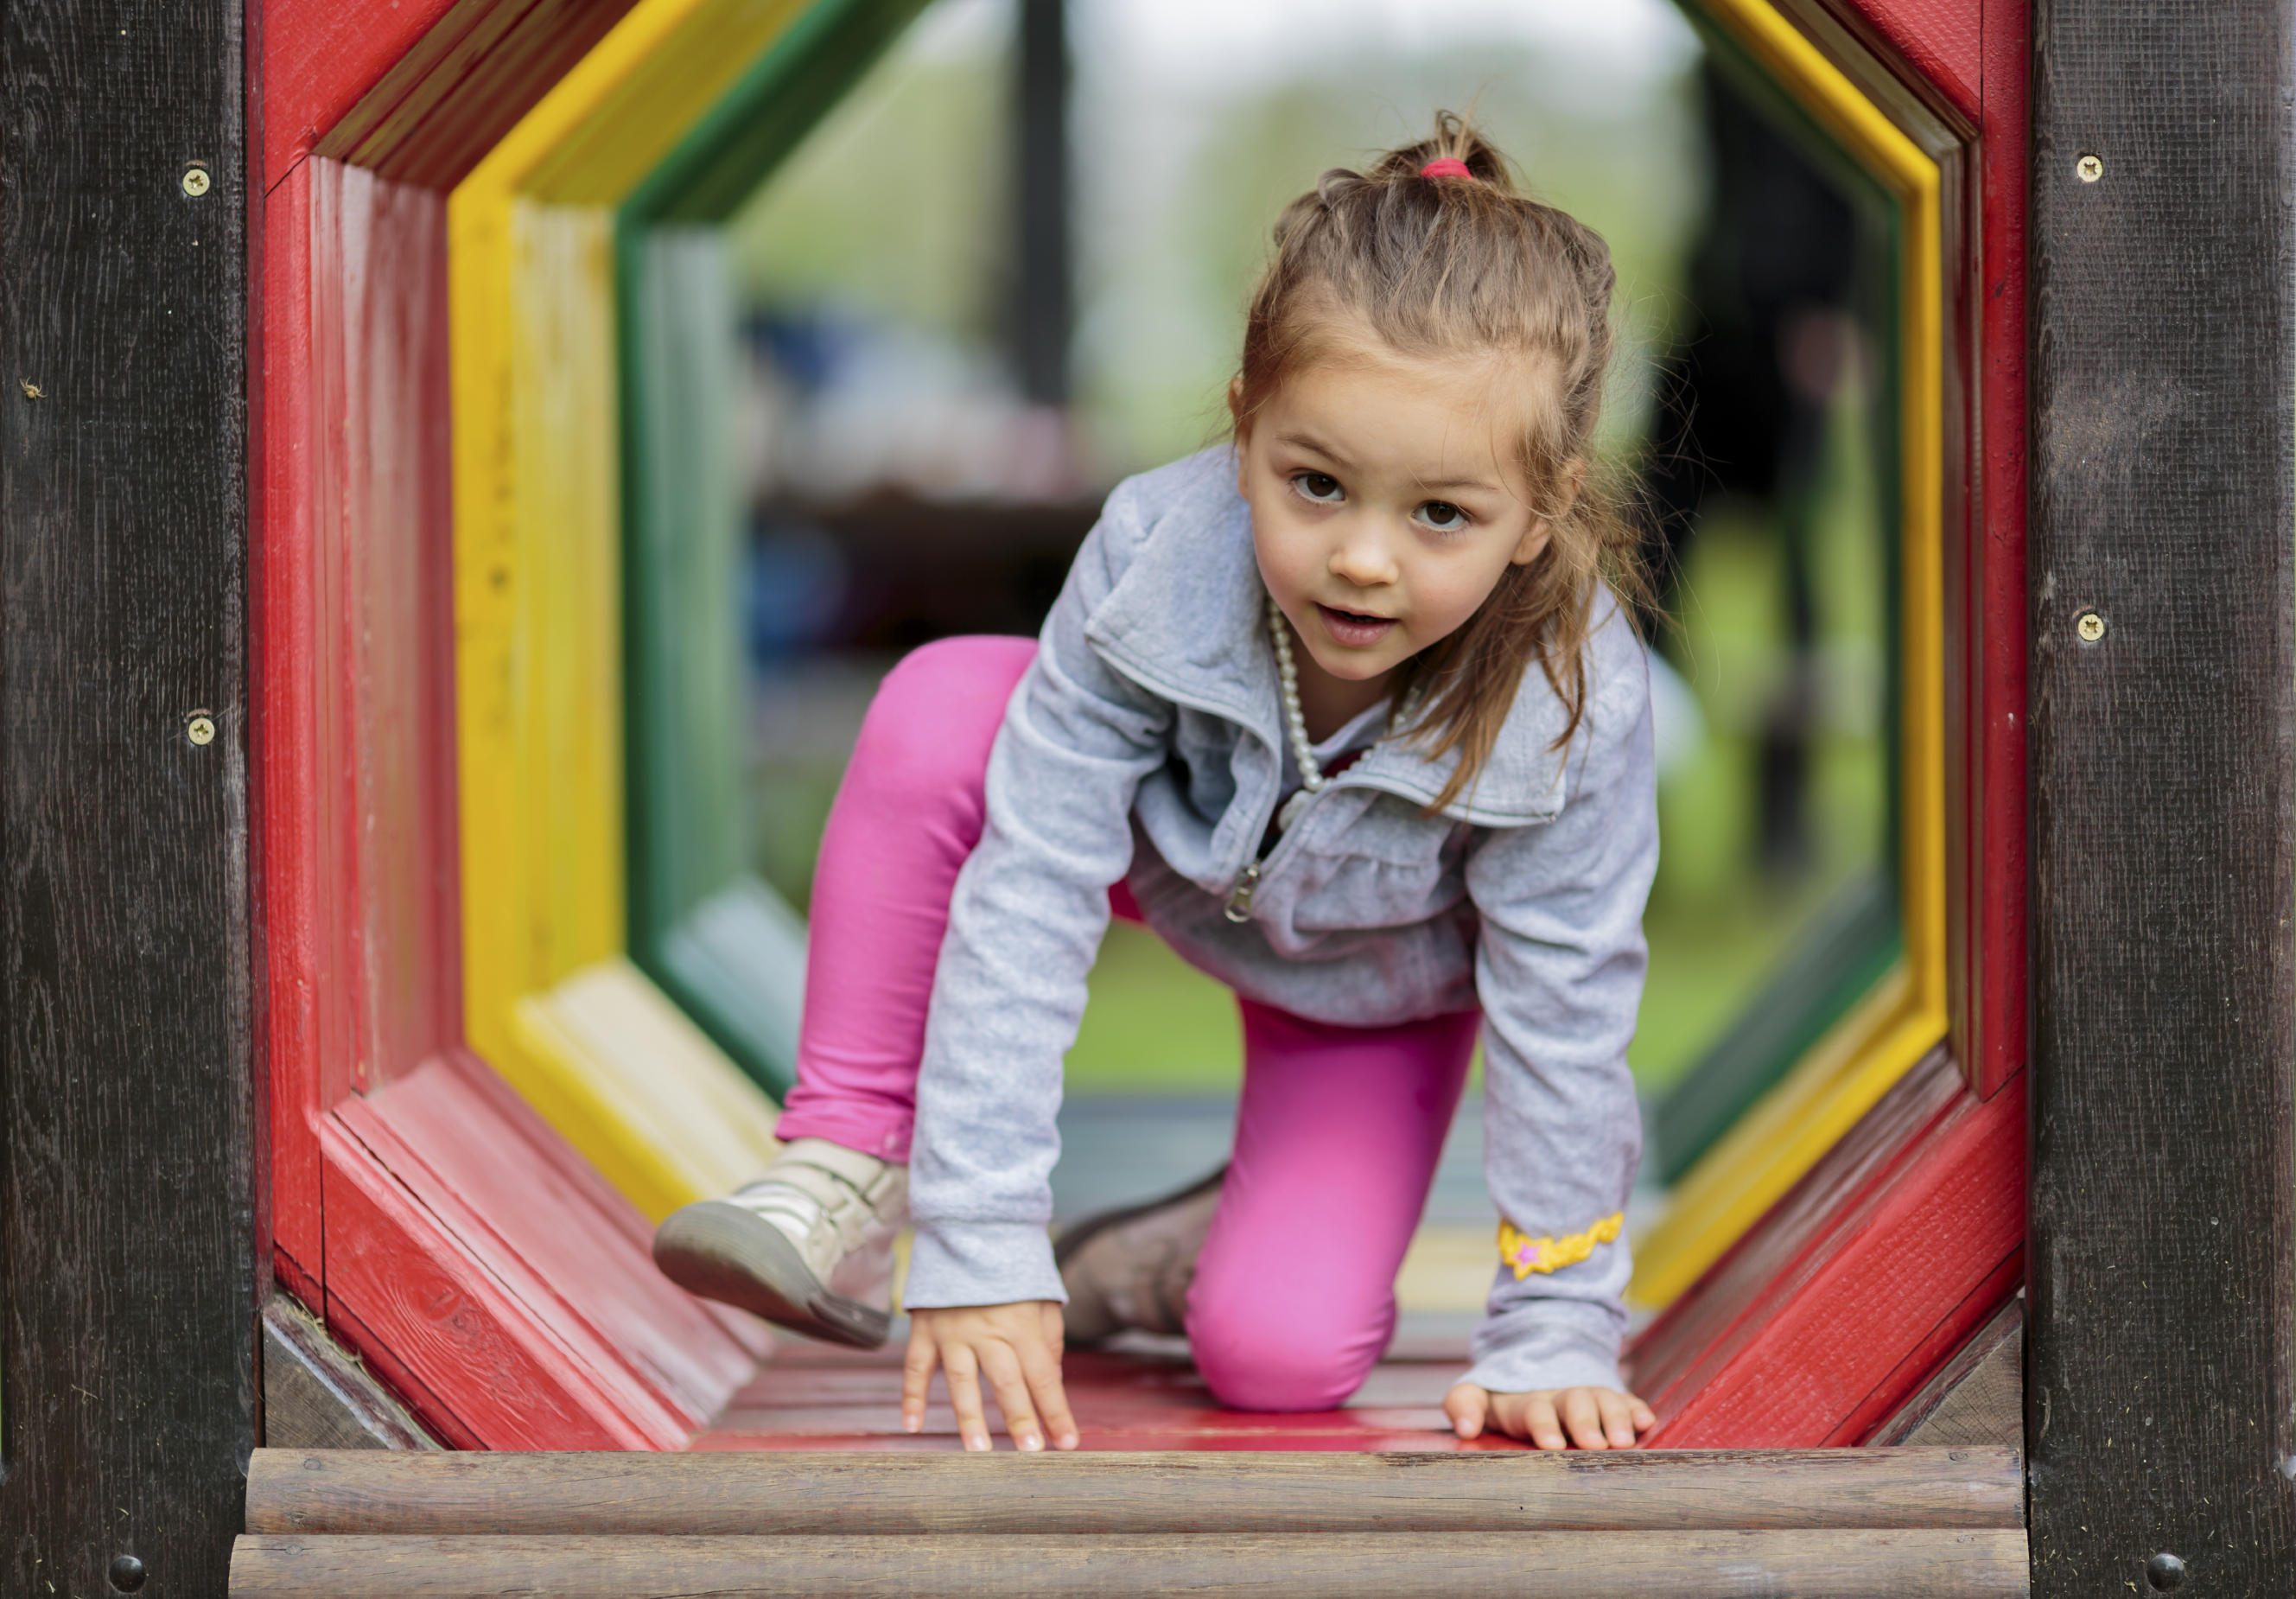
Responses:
[1142,744]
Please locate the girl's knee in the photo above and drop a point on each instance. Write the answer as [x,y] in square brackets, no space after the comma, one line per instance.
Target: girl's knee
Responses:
[1300,1361]
[930,728]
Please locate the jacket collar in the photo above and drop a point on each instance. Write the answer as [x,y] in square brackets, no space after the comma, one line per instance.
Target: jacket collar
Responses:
[1186,620]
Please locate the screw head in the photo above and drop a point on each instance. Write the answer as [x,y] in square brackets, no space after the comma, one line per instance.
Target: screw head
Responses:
[2090,627]
[2164,1571]
[201,729]
[2090,168]
[127,1573]
[196,181]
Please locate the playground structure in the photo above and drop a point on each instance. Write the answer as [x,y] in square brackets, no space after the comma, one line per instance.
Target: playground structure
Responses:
[453,979]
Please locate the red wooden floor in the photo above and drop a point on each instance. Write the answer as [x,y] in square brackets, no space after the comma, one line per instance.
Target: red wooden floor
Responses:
[812,1396]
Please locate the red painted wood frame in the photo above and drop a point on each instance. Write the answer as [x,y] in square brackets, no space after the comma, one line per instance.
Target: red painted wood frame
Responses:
[487,1273]
[443,1232]
[1899,1244]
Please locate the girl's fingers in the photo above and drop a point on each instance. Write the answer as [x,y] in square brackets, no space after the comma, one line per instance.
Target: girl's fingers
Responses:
[917,1376]
[1538,1422]
[1040,1368]
[1584,1418]
[1002,1367]
[961,1371]
[1618,1418]
[1467,1405]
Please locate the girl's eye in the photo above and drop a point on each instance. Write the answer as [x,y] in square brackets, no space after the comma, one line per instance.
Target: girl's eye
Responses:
[1319,486]
[1442,516]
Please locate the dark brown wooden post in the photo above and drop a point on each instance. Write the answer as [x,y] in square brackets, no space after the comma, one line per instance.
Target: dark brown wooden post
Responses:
[2160,1393]
[126,1221]
[1041,298]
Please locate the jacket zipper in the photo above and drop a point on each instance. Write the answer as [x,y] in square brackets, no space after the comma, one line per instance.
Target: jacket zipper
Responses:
[1239,902]
[1238,908]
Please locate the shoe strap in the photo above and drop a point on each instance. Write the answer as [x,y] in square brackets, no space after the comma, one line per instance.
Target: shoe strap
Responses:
[876,1181]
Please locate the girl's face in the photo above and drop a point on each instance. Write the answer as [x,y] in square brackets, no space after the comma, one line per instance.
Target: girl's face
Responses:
[1387,501]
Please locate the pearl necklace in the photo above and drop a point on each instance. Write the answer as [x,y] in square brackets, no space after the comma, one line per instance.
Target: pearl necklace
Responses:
[1295,720]
[1311,771]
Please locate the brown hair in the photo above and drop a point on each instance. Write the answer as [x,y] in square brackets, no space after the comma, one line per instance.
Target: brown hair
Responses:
[1444,266]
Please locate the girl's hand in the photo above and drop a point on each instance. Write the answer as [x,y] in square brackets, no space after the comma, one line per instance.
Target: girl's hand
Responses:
[1018,1346]
[1596,1418]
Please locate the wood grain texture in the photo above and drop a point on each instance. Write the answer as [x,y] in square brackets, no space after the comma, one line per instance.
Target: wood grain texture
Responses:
[306,991]
[311,1492]
[317,1397]
[321,56]
[127,1220]
[1888,1034]
[1381,1565]
[2161,1393]
[557,1242]
[1941,39]
[1990,619]
[1848,1295]
[465,84]
[1978,1398]
[541,1320]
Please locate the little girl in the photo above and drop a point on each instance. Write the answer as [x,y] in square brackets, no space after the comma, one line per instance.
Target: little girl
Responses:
[1350,714]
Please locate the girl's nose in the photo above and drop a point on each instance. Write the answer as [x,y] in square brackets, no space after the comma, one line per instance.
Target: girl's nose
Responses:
[1363,558]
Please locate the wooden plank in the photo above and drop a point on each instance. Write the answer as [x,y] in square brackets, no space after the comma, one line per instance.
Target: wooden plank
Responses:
[1889,1034]
[317,1397]
[1384,1565]
[1939,39]
[303,991]
[1989,622]
[541,766]
[1847,1298]
[1849,947]
[321,56]
[551,1242]
[2161,1400]
[435,114]
[351,1492]
[129,1221]
[1977,1397]
[715,936]
[358,741]
[482,1368]
[1732,1292]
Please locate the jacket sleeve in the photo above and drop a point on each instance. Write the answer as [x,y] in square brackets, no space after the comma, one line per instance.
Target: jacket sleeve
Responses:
[1025,924]
[1559,972]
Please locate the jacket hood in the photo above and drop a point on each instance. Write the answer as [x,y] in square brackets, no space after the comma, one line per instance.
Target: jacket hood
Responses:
[1186,621]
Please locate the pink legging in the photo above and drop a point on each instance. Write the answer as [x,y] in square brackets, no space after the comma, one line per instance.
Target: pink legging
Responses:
[1339,1130]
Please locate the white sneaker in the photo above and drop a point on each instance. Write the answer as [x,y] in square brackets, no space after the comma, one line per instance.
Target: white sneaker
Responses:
[808,1246]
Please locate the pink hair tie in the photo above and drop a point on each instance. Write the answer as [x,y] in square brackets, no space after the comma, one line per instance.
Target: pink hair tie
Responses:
[1449,167]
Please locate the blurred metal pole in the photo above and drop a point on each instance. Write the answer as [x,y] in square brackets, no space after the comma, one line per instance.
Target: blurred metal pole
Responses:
[1041,288]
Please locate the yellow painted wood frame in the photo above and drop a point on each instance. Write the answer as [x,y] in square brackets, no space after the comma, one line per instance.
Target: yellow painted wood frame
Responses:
[549,998]
[1785,1132]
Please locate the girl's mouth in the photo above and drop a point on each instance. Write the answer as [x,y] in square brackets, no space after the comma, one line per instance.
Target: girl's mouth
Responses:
[1354,628]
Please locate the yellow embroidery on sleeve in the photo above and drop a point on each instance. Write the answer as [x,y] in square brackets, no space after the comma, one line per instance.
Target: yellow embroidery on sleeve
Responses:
[1526,1254]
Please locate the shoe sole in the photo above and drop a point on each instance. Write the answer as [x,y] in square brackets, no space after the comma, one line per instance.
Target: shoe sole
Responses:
[721,1251]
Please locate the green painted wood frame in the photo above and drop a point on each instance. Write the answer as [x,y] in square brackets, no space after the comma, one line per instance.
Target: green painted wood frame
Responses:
[702,924]
[1854,939]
